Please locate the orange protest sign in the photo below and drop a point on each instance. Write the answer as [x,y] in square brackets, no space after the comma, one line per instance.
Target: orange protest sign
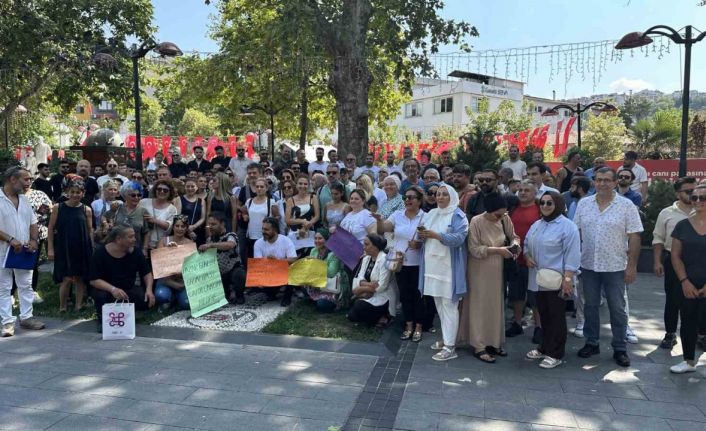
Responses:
[168,260]
[267,273]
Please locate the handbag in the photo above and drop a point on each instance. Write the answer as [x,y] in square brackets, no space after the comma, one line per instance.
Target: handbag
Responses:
[118,321]
[549,279]
[394,261]
[333,285]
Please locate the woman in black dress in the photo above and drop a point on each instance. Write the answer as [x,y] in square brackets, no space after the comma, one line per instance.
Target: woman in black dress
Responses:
[69,242]
[192,206]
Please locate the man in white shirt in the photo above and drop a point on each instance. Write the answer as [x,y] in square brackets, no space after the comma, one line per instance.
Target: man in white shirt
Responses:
[390,163]
[239,165]
[518,166]
[369,167]
[406,155]
[333,158]
[19,230]
[318,164]
[662,243]
[610,229]
[272,245]
[639,184]
[111,169]
[156,162]
[535,172]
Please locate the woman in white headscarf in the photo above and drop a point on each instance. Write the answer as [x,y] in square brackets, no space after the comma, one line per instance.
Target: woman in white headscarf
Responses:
[442,273]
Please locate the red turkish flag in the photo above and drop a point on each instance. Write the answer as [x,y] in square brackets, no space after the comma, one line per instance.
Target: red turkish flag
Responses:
[183,145]
[231,145]
[556,140]
[567,132]
[542,138]
[533,137]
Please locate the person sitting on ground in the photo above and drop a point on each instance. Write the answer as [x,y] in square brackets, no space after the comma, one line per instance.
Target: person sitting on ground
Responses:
[113,269]
[229,264]
[371,285]
[273,245]
[167,288]
[327,302]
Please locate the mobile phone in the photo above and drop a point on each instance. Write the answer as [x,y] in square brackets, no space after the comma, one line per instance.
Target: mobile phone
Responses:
[514,249]
[421,228]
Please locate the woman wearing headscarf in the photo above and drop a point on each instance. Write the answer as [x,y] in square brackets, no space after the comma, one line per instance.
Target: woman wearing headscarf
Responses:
[442,271]
[491,239]
[394,202]
[327,301]
[430,196]
[552,243]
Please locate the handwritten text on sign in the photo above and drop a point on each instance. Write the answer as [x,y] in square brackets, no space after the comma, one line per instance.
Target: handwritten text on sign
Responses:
[167,261]
[203,283]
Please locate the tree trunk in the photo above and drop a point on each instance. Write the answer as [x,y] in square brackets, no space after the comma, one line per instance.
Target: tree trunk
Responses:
[304,113]
[350,85]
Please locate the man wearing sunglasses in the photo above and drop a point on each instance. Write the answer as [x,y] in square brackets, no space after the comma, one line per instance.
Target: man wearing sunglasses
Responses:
[83,169]
[639,184]
[177,168]
[625,179]
[662,243]
[111,169]
[488,183]
[239,165]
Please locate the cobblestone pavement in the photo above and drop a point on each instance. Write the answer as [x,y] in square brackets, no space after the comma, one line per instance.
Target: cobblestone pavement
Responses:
[62,379]
[515,394]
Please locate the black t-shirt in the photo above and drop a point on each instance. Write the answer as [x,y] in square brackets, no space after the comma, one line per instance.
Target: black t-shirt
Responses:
[56,183]
[92,190]
[178,169]
[693,252]
[224,161]
[203,167]
[43,185]
[118,272]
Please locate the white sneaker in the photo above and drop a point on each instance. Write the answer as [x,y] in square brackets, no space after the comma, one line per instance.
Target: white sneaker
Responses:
[37,299]
[578,332]
[682,367]
[8,329]
[445,354]
[630,336]
[534,354]
[549,363]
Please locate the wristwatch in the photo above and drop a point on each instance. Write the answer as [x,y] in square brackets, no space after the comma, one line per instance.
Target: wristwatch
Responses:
[568,279]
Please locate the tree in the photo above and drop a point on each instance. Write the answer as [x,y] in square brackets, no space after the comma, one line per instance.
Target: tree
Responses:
[357,43]
[697,135]
[604,135]
[197,123]
[658,136]
[54,50]
[635,109]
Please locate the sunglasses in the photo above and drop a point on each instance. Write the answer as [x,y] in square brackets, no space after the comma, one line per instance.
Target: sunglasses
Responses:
[331,173]
[287,188]
[486,180]
[350,160]
[134,195]
[137,177]
[162,190]
[409,197]
[546,203]
[700,198]
[110,166]
[624,177]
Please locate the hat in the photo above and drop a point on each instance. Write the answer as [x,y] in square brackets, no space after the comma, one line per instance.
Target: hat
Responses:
[494,201]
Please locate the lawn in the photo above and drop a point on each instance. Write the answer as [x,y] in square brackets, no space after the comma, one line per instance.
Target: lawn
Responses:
[302,319]
[49,291]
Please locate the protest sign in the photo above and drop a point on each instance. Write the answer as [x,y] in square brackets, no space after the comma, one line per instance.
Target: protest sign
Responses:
[203,282]
[346,247]
[267,273]
[167,261]
[308,272]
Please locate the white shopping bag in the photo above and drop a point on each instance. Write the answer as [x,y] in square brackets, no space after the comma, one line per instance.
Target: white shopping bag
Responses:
[119,321]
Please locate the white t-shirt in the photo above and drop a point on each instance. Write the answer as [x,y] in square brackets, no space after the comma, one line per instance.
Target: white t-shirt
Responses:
[405,231]
[375,170]
[519,168]
[164,214]
[282,248]
[357,223]
[317,166]
[640,177]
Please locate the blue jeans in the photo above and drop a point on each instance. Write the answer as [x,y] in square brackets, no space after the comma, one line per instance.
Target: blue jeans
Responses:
[613,284]
[164,294]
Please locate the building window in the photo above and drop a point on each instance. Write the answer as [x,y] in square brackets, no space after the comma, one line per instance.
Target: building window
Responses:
[105,106]
[443,105]
[413,109]
[567,113]
[539,109]
[80,110]
[474,104]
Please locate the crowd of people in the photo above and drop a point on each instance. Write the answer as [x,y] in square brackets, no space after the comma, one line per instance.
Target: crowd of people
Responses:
[437,239]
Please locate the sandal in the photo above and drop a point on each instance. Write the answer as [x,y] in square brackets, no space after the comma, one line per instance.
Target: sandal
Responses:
[438,345]
[417,337]
[497,352]
[406,335]
[484,356]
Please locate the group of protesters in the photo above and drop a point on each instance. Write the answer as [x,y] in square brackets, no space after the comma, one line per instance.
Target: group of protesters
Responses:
[437,240]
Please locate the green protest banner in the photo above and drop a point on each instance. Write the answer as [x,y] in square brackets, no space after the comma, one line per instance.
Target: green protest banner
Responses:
[203,282]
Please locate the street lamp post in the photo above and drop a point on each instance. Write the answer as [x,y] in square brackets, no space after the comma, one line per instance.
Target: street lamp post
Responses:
[165,49]
[578,110]
[637,39]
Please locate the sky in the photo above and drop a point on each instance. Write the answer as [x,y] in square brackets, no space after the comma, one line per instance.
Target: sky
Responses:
[506,24]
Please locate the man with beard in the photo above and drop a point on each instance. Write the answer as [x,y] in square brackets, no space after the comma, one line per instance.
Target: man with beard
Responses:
[285,162]
[42,182]
[177,168]
[445,160]
[58,179]
[239,165]
[333,158]
[518,166]
[625,179]
[523,216]
[536,173]
[488,180]
[406,155]
[199,163]
[302,162]
[639,184]
[83,169]
[390,163]
[412,169]
[368,168]
[462,184]
[229,265]
[111,173]
[273,245]
[318,164]
[220,158]
[566,172]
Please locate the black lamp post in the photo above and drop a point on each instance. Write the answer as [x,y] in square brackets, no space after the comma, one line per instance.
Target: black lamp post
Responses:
[578,110]
[165,49]
[637,39]
[270,112]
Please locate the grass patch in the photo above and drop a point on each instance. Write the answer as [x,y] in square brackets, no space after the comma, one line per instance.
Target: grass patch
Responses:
[49,291]
[302,319]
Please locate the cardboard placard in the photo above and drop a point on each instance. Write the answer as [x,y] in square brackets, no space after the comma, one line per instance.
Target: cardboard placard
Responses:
[267,273]
[168,261]
[308,272]
[203,283]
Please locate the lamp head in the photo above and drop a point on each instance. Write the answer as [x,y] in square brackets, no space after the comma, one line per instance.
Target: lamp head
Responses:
[550,112]
[168,49]
[606,108]
[633,40]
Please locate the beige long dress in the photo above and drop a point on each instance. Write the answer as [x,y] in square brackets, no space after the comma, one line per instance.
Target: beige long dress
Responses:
[482,320]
